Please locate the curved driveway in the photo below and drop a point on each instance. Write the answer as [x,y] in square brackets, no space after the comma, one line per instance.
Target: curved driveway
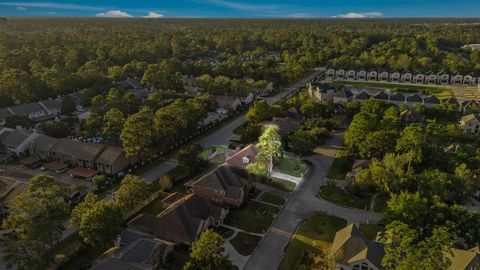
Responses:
[301,204]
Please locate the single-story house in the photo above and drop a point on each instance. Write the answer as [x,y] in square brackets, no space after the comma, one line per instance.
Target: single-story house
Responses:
[464,259]
[52,106]
[470,123]
[431,78]
[33,111]
[354,251]
[221,185]
[468,79]
[183,221]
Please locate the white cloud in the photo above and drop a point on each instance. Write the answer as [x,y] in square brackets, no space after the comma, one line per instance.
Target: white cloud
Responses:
[50,5]
[114,14]
[21,8]
[299,15]
[353,15]
[152,14]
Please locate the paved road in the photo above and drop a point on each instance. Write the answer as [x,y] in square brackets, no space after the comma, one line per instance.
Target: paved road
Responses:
[301,204]
[222,136]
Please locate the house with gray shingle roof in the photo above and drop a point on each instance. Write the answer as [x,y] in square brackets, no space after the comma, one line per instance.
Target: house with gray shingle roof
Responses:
[33,111]
[16,141]
[41,147]
[222,185]
[354,251]
[52,106]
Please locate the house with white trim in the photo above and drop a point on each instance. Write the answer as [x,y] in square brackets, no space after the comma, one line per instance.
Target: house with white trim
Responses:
[372,75]
[406,77]
[350,75]
[456,79]
[383,76]
[443,78]
[361,75]
[419,78]
[395,77]
[340,74]
[330,74]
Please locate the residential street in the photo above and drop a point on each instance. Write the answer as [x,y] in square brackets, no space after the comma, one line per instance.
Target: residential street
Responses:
[301,204]
[221,136]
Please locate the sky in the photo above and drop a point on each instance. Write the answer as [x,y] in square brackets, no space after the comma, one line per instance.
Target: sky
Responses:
[243,8]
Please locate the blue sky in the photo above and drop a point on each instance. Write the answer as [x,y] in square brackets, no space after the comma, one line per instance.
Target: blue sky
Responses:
[244,8]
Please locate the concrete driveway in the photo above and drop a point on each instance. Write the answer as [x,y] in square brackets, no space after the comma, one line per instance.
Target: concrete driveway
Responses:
[301,204]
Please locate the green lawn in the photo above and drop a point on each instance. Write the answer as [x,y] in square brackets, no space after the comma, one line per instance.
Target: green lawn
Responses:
[272,198]
[370,230]
[282,185]
[312,239]
[342,197]
[256,217]
[440,91]
[340,166]
[245,243]
[291,166]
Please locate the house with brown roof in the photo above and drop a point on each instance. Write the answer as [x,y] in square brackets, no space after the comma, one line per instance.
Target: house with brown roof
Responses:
[226,104]
[221,185]
[183,221]
[354,251]
[470,124]
[238,160]
[135,250]
[113,161]
[357,166]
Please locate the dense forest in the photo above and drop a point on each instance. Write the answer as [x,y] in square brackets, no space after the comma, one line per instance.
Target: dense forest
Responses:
[42,58]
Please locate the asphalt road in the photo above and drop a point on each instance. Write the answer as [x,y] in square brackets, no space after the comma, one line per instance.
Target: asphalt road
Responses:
[301,204]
